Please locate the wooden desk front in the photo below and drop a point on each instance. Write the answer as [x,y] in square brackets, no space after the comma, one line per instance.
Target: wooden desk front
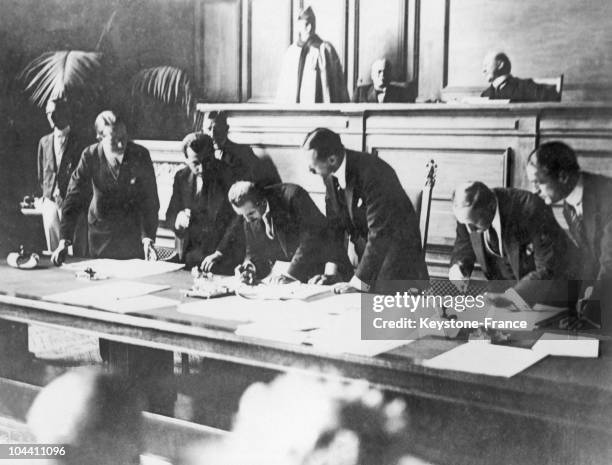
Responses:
[558,411]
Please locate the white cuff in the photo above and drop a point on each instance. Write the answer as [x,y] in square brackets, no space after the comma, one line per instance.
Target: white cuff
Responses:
[147,241]
[359,284]
[517,300]
[331,269]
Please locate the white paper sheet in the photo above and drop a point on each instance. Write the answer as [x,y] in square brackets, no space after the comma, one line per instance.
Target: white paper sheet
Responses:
[92,296]
[291,291]
[136,304]
[124,269]
[487,359]
[567,345]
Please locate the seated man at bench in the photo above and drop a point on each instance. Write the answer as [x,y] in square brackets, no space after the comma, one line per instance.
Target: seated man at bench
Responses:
[282,223]
[199,211]
[504,86]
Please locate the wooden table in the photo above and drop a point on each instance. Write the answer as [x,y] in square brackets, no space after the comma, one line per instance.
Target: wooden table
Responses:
[557,411]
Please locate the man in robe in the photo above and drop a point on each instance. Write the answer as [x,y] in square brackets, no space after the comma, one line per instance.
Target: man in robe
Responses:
[311,71]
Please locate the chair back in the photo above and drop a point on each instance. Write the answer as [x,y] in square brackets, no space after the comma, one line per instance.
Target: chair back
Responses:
[557,82]
[421,201]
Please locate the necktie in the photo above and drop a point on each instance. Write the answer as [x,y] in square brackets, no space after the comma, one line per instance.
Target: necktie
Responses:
[576,227]
[269,225]
[115,165]
[493,241]
[340,195]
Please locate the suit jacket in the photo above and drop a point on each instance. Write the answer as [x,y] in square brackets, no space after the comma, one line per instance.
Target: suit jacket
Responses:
[522,90]
[322,78]
[380,220]
[394,94]
[301,235]
[596,262]
[211,212]
[532,241]
[121,211]
[246,166]
[48,173]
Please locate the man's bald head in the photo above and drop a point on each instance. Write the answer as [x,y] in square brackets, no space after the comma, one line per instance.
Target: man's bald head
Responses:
[97,415]
[474,205]
[495,64]
[381,73]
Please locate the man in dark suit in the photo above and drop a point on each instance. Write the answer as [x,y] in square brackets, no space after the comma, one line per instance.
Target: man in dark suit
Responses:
[514,237]
[365,199]
[245,165]
[199,211]
[381,90]
[504,86]
[58,156]
[554,172]
[116,182]
[282,223]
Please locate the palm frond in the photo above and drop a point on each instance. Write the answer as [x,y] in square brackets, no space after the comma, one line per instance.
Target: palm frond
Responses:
[53,73]
[166,83]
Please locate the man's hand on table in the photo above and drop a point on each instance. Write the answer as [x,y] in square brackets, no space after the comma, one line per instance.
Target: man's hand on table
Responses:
[59,255]
[210,261]
[246,272]
[325,279]
[150,253]
[354,285]
[281,279]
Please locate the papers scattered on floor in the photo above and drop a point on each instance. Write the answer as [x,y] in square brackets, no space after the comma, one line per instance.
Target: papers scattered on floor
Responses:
[487,359]
[119,296]
[567,345]
[124,269]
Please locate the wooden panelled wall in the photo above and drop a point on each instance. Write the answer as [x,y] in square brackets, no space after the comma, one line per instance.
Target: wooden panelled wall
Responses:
[239,44]
[487,143]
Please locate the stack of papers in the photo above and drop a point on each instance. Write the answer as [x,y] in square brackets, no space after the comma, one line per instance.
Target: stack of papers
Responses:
[120,297]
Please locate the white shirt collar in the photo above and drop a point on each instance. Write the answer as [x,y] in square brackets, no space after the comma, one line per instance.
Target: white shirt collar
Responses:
[61,133]
[112,157]
[267,212]
[575,196]
[499,80]
[340,173]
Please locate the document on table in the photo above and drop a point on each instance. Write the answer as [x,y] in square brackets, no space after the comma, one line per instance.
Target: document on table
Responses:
[124,269]
[295,290]
[567,345]
[487,359]
[119,296]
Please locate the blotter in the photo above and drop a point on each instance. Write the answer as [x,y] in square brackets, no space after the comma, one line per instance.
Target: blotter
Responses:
[487,359]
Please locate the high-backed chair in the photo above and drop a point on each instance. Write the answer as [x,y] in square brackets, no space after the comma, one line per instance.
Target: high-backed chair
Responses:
[421,200]
[557,82]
